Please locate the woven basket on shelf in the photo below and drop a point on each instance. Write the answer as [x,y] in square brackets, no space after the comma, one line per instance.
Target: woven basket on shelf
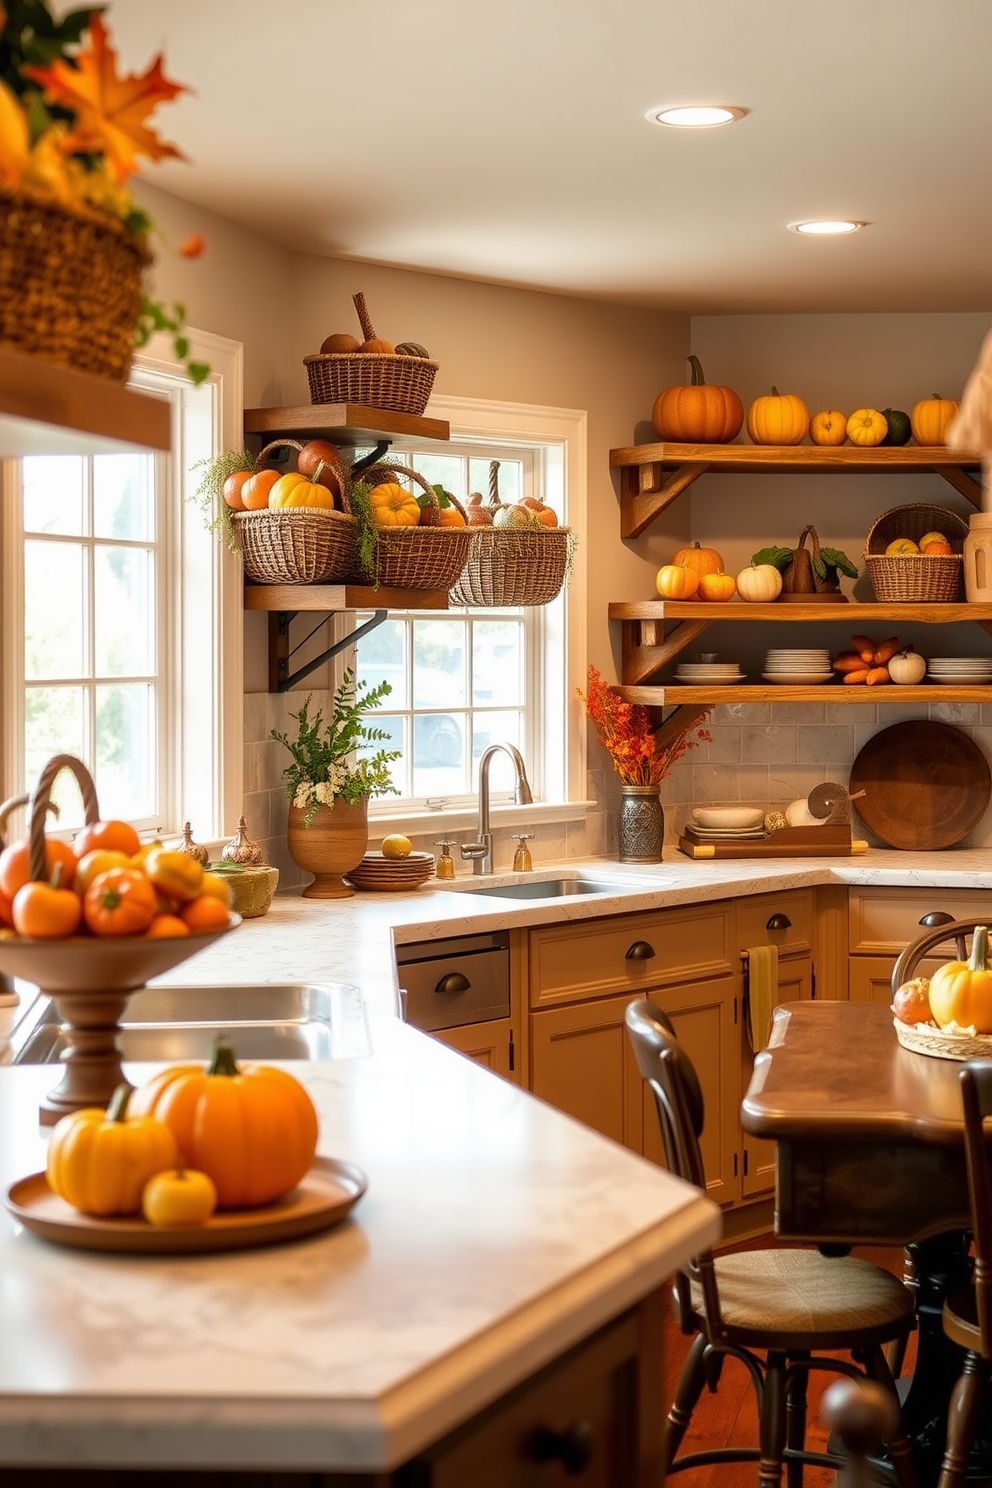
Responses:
[513,567]
[415,557]
[297,544]
[926,1038]
[377,379]
[921,578]
[70,285]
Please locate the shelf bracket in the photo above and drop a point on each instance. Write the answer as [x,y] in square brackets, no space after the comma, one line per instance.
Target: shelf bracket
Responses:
[680,720]
[644,492]
[280,651]
[646,648]
[381,448]
[968,486]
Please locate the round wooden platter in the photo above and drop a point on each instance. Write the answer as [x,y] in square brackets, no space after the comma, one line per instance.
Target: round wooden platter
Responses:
[925,785]
[330,1190]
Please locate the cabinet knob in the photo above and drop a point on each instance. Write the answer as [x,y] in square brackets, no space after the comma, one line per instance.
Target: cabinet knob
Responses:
[453,982]
[779,922]
[938,917]
[572,1447]
[641,950]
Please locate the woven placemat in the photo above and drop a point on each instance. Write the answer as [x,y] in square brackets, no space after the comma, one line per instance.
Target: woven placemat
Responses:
[927,1038]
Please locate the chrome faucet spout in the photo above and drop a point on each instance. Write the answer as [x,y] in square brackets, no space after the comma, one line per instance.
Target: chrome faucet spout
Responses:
[481,850]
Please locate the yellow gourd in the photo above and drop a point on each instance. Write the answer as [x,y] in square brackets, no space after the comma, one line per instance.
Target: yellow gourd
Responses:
[867,427]
[394,506]
[961,991]
[297,490]
[99,1161]
[931,419]
[674,582]
[780,418]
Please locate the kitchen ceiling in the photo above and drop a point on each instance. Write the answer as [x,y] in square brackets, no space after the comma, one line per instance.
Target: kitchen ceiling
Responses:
[508,142]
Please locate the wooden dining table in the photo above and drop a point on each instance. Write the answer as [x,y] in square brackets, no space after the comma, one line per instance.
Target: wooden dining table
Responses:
[869,1150]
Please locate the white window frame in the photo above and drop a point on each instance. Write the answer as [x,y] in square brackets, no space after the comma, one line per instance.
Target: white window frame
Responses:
[203,648]
[493,422]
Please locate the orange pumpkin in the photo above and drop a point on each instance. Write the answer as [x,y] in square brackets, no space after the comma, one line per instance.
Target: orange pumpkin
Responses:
[451,517]
[778,418]
[931,418]
[674,582]
[700,412]
[320,461]
[717,588]
[700,560]
[294,489]
[255,491]
[252,1129]
[394,506]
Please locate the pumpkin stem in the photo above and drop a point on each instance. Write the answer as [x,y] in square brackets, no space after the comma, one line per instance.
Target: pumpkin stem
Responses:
[117,1110]
[222,1061]
[698,380]
[979,958]
[775,392]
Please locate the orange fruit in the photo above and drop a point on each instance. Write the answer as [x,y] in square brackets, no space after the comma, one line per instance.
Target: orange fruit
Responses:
[935,546]
[114,836]
[205,913]
[165,926]
[929,537]
[232,488]
[255,491]
[15,859]
[100,860]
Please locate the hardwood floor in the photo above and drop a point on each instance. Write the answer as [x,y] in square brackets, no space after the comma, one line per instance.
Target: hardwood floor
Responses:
[729,1416]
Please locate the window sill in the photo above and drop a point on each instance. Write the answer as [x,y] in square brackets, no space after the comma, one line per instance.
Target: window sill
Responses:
[417,820]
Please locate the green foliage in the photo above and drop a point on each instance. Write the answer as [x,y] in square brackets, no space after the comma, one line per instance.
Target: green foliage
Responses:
[367,533]
[833,558]
[208,494]
[324,764]
[31,37]
[157,316]
[779,558]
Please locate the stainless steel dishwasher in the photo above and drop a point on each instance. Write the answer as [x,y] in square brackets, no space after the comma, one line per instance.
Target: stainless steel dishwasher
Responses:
[448,983]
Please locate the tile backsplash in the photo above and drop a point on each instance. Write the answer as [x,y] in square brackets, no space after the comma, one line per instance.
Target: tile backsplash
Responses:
[762,754]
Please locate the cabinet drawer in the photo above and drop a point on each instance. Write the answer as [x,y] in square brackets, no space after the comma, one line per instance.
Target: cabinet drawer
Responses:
[623,953]
[887,920]
[588,1396]
[794,905]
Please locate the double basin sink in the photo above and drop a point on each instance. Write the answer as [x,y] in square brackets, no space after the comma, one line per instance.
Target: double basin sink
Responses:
[264,1020]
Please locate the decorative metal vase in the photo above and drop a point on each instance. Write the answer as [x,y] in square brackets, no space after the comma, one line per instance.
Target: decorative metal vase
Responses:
[640,824]
[333,844]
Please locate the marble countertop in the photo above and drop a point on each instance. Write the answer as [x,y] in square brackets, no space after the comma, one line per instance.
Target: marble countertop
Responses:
[495,1234]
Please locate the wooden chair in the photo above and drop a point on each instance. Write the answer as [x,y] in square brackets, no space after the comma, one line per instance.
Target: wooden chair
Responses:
[787,1304]
[968,1311]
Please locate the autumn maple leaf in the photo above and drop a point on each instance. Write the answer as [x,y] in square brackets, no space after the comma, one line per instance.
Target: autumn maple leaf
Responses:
[110,111]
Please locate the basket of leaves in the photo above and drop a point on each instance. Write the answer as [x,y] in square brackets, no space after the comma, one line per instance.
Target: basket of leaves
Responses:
[520,555]
[405,540]
[371,371]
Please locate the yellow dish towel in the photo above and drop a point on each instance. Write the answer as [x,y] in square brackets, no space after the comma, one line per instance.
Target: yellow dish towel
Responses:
[762,978]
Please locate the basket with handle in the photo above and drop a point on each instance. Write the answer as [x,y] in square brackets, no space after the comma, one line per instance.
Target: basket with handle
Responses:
[507,566]
[423,557]
[927,578]
[297,544]
[376,378]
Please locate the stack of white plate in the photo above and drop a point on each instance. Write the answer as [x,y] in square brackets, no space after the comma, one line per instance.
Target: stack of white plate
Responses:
[960,671]
[709,673]
[798,668]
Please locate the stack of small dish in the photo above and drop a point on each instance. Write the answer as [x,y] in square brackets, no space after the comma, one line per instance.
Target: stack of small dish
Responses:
[709,673]
[727,822]
[797,668]
[392,874]
[960,671]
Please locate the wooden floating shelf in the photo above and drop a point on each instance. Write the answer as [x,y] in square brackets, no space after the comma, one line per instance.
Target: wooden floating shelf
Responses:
[335,597]
[342,423]
[677,695]
[50,410]
[852,614]
[645,489]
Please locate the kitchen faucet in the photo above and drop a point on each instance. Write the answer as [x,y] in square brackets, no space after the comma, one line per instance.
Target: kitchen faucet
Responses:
[481,851]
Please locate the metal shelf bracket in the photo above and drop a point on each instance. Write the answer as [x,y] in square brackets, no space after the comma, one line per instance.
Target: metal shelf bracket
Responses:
[281,652]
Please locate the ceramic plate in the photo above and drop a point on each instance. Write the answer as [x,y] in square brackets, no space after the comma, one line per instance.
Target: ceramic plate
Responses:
[797,679]
[328,1192]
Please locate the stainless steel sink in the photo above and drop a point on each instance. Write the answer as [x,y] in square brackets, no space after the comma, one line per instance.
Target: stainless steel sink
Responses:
[553,888]
[277,1020]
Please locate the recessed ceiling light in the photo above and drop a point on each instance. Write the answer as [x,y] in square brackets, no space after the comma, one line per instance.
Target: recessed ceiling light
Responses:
[696,116]
[826,229]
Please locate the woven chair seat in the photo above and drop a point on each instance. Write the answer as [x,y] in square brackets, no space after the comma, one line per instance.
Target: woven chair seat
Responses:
[776,1298]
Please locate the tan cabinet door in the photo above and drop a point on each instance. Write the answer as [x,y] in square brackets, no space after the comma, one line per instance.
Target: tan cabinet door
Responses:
[581,1062]
[490,1044]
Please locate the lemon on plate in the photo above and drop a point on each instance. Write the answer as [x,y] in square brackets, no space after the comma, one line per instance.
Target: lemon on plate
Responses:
[396,846]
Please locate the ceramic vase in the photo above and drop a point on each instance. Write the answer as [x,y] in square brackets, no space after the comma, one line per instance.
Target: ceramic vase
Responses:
[335,842]
[640,824]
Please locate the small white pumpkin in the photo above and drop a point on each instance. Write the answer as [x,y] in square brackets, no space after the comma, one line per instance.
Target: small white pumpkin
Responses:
[516,517]
[798,814]
[907,667]
[760,583]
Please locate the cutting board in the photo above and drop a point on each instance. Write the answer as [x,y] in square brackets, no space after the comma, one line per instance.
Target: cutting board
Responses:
[787,842]
[926,785]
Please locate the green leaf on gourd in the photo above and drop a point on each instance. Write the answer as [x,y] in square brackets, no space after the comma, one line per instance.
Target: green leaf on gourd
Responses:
[777,557]
[834,558]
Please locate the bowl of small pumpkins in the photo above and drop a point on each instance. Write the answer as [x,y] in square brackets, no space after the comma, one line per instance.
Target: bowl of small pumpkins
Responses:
[949,1015]
[215,1156]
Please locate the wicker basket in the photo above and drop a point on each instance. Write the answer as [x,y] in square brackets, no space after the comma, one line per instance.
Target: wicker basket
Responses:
[927,1038]
[415,557]
[377,379]
[507,567]
[70,285]
[297,544]
[922,578]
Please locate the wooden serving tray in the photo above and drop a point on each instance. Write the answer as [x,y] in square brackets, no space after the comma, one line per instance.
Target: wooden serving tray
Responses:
[328,1192]
[787,842]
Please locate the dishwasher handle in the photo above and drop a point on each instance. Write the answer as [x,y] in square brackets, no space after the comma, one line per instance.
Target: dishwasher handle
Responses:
[455,981]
